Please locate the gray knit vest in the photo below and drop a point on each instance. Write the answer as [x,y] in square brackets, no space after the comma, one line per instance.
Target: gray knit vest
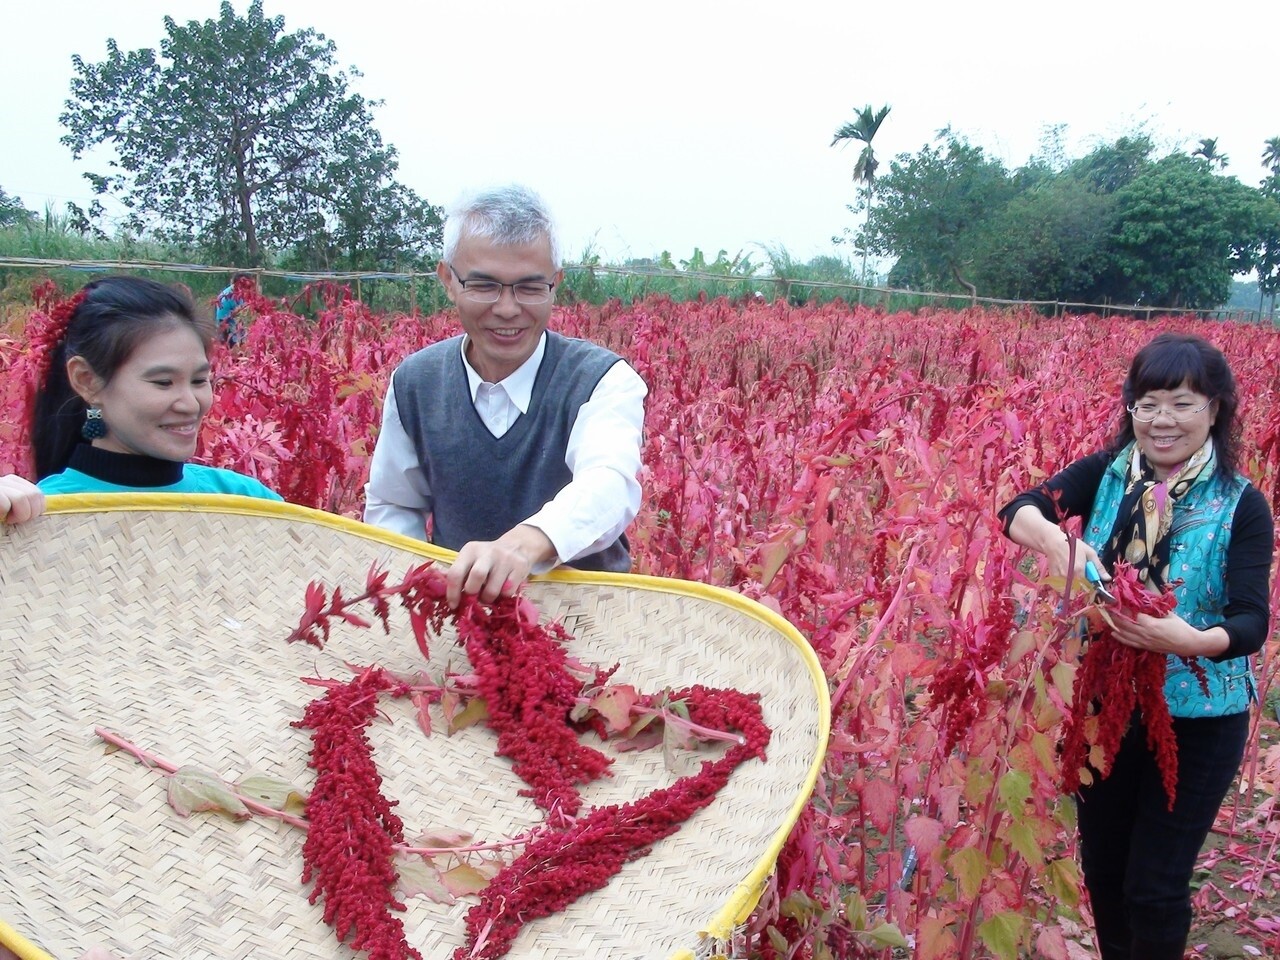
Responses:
[482,485]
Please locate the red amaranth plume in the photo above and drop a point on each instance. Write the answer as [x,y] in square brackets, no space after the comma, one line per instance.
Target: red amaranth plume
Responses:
[1112,681]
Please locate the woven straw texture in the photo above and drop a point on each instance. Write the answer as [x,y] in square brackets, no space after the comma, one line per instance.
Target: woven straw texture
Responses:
[163,619]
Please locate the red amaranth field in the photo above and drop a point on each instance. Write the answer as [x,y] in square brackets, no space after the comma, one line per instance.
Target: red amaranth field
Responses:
[844,467]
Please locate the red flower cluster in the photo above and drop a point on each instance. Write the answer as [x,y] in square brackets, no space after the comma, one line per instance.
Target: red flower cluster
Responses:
[524,675]
[530,692]
[349,846]
[1112,681]
[559,866]
[959,685]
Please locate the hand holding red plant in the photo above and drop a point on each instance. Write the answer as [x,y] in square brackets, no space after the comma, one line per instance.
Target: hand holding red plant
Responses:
[1113,680]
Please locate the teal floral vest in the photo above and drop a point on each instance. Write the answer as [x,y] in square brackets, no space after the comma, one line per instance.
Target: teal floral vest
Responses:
[1198,543]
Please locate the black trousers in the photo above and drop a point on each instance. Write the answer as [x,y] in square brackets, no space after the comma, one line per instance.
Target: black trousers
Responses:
[1138,856]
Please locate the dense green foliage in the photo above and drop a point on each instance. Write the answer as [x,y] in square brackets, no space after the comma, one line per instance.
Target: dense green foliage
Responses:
[1116,226]
[12,212]
[241,140]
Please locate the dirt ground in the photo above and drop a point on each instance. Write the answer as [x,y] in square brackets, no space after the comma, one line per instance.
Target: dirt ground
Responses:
[1237,882]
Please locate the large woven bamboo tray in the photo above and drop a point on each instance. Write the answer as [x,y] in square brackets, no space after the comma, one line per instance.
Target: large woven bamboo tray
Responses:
[163,618]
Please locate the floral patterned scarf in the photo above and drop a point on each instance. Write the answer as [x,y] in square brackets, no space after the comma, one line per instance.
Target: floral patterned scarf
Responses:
[1141,532]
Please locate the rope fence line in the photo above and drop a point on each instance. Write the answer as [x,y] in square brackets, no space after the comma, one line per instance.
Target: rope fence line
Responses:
[785,284]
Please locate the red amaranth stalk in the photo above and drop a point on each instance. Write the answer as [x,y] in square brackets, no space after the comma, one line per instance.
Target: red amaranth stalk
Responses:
[350,847]
[522,670]
[560,866]
[529,692]
[1112,681]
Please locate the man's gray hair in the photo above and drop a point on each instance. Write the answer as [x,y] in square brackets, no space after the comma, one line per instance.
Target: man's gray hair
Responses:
[508,216]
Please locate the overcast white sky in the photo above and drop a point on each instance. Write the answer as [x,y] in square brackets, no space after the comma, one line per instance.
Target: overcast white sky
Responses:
[671,124]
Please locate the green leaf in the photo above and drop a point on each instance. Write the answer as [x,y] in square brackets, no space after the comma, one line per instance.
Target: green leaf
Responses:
[192,790]
[799,906]
[773,554]
[778,940]
[463,879]
[1063,676]
[1015,790]
[614,704]
[1045,752]
[476,711]
[970,867]
[272,792]
[1063,880]
[1002,934]
[855,910]
[886,935]
[419,877]
[1023,839]
[978,782]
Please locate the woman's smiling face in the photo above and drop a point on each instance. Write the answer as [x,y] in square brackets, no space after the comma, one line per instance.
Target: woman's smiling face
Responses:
[157,399]
[1181,426]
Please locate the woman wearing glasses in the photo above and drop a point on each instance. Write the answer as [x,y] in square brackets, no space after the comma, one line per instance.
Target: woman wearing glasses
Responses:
[1167,498]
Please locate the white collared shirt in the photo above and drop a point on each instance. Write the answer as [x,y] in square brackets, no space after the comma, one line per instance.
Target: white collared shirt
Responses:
[603,454]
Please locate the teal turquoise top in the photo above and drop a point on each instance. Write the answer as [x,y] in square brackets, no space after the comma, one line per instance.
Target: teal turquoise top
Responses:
[93,470]
[1199,542]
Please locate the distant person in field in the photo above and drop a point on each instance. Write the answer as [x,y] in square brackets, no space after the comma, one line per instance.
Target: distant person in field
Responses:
[227,309]
[125,387]
[511,444]
[1167,498]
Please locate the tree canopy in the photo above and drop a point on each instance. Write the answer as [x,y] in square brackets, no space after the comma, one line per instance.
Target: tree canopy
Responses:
[1114,226]
[243,139]
[12,212]
[934,212]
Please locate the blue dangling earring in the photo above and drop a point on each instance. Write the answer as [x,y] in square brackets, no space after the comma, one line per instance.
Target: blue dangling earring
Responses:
[95,428]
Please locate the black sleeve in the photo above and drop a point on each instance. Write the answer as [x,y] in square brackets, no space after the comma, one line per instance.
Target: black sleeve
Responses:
[1249,575]
[1068,493]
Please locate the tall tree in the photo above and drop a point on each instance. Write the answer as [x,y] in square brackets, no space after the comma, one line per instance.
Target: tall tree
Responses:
[935,213]
[241,138]
[1047,243]
[863,129]
[1181,233]
[1268,259]
[1110,166]
[12,212]
[1208,150]
[1271,155]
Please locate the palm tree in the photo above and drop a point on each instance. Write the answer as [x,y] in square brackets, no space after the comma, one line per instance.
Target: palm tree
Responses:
[1208,150]
[1271,155]
[863,129]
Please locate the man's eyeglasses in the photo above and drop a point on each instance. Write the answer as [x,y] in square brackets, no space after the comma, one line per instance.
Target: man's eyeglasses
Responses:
[1144,411]
[528,293]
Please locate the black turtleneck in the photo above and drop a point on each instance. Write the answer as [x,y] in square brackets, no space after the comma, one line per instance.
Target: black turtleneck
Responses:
[125,469]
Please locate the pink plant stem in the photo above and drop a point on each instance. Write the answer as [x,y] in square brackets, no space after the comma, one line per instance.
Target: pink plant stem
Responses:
[699,731]
[482,939]
[148,759]
[675,720]
[152,760]
[885,619]
[521,840]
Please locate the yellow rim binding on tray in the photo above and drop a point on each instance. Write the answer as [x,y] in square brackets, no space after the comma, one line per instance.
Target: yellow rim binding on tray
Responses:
[745,896]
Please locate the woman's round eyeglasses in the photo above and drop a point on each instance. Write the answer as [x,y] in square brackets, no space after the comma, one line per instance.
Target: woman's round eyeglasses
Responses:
[1145,412]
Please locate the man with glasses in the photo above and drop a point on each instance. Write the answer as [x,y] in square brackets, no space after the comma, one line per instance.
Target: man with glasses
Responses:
[513,445]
